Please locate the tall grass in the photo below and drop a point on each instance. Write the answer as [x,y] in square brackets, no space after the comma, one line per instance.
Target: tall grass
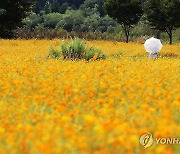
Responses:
[51,34]
[75,50]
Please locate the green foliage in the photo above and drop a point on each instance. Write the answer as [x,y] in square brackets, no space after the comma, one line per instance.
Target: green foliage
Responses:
[100,24]
[76,50]
[71,21]
[163,15]
[53,53]
[125,12]
[11,15]
[32,21]
[75,21]
[51,20]
[55,7]
[95,54]
[90,7]
[87,19]
[142,29]
[58,6]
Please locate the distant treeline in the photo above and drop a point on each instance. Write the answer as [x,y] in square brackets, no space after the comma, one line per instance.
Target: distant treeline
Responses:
[72,15]
[56,5]
[66,18]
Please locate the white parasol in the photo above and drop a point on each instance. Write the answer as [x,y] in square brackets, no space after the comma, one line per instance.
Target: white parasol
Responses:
[153,45]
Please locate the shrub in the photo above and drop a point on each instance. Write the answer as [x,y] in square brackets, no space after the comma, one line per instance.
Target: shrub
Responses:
[51,20]
[76,50]
[32,21]
[94,54]
[53,53]
[71,21]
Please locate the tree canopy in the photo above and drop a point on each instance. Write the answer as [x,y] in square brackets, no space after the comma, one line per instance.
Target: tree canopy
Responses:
[163,15]
[106,17]
[125,12]
[56,5]
[11,14]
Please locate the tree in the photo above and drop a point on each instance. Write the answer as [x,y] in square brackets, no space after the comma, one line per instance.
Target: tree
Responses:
[72,20]
[125,12]
[55,4]
[90,7]
[11,15]
[32,21]
[51,20]
[55,7]
[75,3]
[39,6]
[163,15]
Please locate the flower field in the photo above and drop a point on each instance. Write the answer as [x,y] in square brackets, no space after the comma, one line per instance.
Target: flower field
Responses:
[100,107]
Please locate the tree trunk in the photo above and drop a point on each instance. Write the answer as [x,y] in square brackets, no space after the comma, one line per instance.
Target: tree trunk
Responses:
[126,30]
[127,37]
[170,38]
[169,31]
[158,34]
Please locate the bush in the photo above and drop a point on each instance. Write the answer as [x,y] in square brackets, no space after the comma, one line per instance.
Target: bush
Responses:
[94,54]
[76,50]
[51,20]
[71,21]
[54,53]
[32,21]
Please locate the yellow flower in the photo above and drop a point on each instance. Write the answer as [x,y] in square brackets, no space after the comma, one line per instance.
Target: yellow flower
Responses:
[2,130]
[62,106]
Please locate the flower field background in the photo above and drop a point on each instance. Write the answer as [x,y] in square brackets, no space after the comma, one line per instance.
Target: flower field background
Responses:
[62,106]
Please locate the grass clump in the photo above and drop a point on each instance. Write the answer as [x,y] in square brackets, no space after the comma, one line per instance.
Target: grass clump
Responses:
[53,53]
[94,54]
[76,50]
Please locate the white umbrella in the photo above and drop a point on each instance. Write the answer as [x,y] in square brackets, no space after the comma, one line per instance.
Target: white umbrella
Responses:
[153,45]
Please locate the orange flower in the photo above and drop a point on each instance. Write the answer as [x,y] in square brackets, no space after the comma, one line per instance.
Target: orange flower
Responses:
[61,106]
